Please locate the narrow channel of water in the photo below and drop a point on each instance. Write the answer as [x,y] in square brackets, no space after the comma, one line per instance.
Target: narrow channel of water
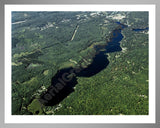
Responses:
[143,29]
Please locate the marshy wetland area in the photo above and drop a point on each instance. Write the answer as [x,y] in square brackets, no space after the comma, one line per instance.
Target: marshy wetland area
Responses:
[80,63]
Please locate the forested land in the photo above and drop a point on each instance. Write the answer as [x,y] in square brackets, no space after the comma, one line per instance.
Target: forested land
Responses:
[42,44]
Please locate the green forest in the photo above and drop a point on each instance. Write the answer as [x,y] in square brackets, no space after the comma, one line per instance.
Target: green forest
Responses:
[45,43]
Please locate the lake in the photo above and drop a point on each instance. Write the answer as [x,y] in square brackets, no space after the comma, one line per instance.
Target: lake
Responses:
[64,81]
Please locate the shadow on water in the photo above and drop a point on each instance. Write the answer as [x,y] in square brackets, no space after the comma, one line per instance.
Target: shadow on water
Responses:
[63,83]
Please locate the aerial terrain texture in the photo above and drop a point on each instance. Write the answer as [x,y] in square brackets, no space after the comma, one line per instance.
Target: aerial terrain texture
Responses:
[80,63]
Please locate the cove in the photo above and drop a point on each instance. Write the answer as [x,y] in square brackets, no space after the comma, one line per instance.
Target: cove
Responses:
[63,83]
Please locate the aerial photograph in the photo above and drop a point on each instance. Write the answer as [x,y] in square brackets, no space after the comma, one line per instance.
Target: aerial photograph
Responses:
[80,63]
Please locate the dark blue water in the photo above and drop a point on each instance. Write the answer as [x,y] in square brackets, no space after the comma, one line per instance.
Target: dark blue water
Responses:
[100,62]
[138,29]
[63,88]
